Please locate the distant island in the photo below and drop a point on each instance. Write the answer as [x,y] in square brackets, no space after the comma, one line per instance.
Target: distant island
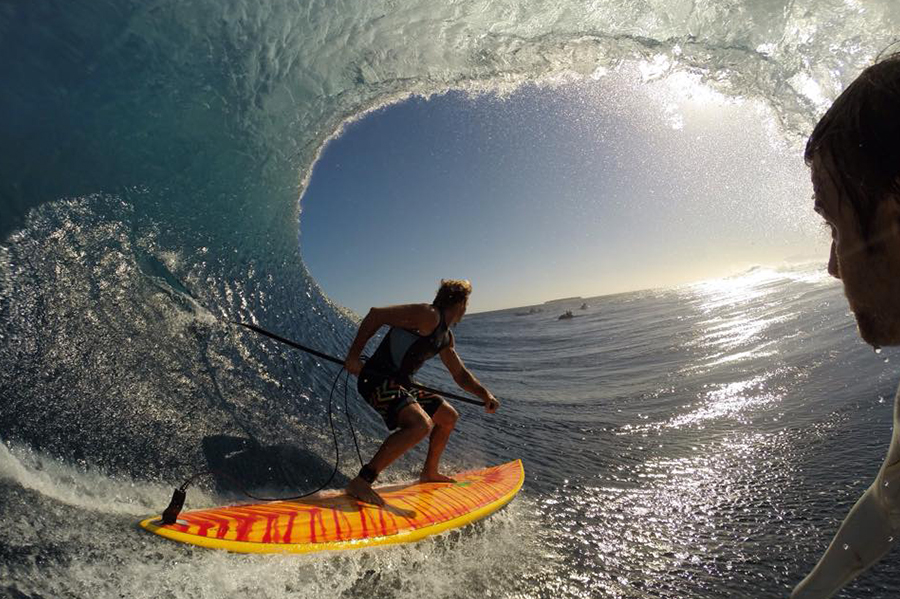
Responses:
[563,299]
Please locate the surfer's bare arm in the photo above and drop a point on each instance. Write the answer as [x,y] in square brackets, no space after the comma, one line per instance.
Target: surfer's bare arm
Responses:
[466,380]
[867,533]
[414,317]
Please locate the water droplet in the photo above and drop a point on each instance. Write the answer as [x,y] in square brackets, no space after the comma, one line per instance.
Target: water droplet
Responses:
[890,539]
[846,546]
[886,483]
[877,349]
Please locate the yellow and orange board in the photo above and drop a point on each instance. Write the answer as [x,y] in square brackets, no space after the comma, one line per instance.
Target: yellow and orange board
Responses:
[338,521]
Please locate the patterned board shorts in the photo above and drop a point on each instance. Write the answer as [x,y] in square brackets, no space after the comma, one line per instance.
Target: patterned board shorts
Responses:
[388,398]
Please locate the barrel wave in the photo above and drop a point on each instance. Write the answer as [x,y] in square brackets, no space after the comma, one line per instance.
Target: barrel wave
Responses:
[154,156]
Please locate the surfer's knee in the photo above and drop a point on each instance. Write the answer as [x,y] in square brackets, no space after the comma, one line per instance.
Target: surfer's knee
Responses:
[423,426]
[418,422]
[446,416]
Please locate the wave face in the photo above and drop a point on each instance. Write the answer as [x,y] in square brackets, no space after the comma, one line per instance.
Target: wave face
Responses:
[222,104]
[153,154]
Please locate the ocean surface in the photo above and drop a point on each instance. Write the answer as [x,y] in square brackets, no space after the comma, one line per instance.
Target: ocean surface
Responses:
[703,441]
[699,442]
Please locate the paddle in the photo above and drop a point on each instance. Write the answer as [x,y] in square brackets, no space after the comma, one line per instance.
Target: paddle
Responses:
[314,352]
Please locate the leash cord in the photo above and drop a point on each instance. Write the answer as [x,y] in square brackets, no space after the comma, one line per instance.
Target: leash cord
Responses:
[170,515]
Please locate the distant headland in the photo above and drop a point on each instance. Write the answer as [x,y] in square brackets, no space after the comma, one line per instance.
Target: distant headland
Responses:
[564,299]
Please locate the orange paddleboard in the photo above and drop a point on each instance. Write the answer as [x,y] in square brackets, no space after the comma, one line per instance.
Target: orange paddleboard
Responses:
[338,521]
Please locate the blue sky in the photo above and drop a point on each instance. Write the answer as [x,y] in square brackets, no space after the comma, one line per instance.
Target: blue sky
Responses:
[586,188]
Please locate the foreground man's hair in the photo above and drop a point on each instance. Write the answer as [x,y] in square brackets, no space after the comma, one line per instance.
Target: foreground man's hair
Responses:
[859,139]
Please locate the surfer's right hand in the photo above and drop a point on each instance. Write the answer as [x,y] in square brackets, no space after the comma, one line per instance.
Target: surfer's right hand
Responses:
[353,365]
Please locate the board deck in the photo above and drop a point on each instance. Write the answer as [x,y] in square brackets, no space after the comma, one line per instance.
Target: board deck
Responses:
[337,521]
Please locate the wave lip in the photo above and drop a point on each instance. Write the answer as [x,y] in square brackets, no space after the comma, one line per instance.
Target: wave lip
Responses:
[224,105]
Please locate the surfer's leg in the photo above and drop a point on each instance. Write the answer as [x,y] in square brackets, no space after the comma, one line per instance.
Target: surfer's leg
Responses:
[414,426]
[444,419]
[867,533]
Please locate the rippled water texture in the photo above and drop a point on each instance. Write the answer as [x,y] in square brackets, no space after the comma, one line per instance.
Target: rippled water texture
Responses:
[684,443]
[699,442]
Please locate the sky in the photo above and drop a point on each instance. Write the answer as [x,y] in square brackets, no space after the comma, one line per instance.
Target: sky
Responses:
[584,188]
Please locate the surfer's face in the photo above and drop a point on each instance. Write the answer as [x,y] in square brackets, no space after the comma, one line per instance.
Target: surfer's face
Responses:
[456,312]
[868,265]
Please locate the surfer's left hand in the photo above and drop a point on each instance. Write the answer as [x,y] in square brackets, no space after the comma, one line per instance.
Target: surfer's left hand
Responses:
[491,405]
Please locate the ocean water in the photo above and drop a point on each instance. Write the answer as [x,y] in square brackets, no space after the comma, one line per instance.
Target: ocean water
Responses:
[703,441]
[696,442]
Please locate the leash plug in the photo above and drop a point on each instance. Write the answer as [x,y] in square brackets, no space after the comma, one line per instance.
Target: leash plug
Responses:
[171,514]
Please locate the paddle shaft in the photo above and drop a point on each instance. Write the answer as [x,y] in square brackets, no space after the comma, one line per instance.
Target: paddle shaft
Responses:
[325,356]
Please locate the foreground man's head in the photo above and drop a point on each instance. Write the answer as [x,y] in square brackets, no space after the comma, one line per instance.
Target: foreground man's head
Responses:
[854,154]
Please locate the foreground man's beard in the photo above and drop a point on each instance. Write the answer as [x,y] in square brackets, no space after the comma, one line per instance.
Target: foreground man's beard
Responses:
[877,329]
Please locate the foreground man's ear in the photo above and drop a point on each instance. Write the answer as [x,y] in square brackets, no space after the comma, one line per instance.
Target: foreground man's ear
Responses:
[886,224]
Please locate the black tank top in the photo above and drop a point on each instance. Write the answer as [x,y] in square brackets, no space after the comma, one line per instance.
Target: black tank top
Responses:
[402,352]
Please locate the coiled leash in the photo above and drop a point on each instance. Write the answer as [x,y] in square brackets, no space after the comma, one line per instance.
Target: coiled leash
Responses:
[170,515]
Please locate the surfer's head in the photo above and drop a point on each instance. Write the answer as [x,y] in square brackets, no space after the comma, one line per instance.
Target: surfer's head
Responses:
[854,155]
[452,297]
[858,139]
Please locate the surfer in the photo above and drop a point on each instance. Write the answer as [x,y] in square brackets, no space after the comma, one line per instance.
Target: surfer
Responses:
[854,156]
[418,332]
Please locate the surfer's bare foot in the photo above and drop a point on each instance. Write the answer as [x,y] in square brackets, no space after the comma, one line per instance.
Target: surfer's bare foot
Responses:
[363,491]
[435,477]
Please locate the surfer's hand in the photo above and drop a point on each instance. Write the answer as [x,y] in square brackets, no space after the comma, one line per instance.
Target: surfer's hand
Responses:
[491,405]
[353,365]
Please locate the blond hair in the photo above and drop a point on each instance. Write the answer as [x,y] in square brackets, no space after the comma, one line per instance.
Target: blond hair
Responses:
[451,291]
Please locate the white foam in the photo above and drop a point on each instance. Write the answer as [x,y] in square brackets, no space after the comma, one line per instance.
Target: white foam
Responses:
[83,486]
[138,564]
